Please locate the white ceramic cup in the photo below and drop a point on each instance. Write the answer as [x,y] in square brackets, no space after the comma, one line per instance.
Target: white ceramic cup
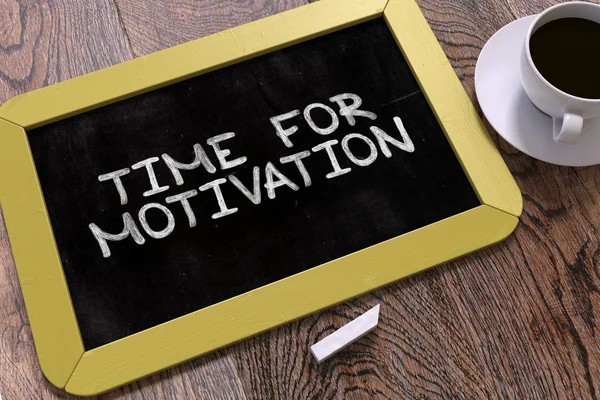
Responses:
[567,111]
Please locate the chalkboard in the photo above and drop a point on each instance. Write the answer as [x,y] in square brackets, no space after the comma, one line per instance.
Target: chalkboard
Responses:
[335,132]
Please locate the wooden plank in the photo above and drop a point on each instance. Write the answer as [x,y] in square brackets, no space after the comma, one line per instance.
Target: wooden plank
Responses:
[47,42]
[155,25]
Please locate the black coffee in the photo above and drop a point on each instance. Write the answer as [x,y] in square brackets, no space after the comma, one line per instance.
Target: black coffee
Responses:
[567,53]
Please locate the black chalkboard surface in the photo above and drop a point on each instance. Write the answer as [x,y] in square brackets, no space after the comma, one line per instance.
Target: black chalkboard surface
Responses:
[310,212]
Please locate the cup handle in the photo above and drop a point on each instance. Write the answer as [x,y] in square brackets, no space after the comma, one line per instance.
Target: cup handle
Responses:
[567,129]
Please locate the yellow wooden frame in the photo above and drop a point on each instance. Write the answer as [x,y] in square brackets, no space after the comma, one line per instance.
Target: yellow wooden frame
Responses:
[62,356]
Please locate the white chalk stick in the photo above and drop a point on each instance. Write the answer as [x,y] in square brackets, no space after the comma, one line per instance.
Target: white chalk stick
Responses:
[347,334]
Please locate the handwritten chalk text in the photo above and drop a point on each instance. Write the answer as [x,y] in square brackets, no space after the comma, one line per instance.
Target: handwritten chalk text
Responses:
[269,179]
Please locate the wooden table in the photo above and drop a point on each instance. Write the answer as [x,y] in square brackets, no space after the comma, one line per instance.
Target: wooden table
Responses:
[517,320]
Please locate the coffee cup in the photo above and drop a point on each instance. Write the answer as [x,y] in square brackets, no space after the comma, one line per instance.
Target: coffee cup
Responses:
[556,72]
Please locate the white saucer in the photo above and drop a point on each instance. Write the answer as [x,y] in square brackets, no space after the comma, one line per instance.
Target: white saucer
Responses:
[511,113]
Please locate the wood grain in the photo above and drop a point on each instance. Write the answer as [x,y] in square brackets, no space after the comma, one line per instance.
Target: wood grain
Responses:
[516,320]
[44,42]
[155,25]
